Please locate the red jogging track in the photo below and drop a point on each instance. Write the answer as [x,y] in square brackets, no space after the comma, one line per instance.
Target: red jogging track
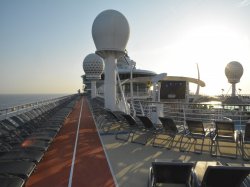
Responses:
[90,165]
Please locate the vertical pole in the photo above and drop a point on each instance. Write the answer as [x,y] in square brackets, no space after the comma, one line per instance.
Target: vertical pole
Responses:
[131,85]
[131,89]
[154,91]
[233,89]
[122,93]
[159,92]
[93,89]
[110,83]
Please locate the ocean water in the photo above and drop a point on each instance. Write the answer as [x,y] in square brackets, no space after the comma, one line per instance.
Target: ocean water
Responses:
[9,100]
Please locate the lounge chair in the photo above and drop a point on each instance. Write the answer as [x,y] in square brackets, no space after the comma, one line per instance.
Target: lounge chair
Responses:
[213,174]
[224,132]
[170,129]
[21,169]
[126,133]
[39,133]
[49,125]
[245,139]
[116,115]
[8,153]
[36,126]
[146,132]
[246,182]
[19,141]
[11,181]
[170,173]
[196,130]
[108,121]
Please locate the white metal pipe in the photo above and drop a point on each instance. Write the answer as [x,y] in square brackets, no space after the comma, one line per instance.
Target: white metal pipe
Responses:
[110,82]
[93,89]
[131,85]
[233,89]
[125,105]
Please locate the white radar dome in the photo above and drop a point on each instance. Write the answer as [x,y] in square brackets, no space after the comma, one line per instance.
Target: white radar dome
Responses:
[234,71]
[93,66]
[110,31]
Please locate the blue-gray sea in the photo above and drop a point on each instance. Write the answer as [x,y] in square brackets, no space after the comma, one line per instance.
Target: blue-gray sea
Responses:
[9,100]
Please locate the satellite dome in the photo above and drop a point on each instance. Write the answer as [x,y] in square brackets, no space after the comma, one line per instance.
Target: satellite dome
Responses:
[110,31]
[93,66]
[234,71]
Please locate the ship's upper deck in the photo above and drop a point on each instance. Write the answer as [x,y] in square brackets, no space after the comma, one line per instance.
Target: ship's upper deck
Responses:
[84,153]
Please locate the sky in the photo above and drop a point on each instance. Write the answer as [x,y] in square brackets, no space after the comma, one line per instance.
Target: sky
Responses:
[43,42]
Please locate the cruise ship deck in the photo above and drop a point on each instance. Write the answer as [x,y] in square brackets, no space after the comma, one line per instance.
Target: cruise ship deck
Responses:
[83,155]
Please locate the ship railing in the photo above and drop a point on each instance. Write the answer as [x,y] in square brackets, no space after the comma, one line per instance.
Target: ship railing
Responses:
[18,109]
[208,113]
[137,94]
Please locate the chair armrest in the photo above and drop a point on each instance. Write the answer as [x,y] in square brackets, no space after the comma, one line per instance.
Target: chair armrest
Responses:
[200,169]
[194,180]
[150,178]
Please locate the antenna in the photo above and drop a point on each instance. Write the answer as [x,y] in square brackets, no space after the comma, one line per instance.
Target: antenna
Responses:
[110,32]
[233,72]
[198,86]
[93,67]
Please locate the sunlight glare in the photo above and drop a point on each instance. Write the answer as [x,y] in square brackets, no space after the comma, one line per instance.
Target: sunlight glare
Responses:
[212,47]
[218,41]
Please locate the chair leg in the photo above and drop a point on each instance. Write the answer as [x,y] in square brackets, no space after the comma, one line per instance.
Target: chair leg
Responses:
[236,154]
[169,138]
[201,147]
[146,138]
[181,143]
[132,138]
[180,148]
[171,142]
[244,155]
[149,135]
[125,139]
[242,150]
[142,143]
[153,141]
[213,144]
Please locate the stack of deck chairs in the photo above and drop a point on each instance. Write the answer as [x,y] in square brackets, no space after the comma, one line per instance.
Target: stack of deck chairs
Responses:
[25,137]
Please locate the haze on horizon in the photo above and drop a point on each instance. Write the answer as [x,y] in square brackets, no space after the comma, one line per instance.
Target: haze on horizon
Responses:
[43,43]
